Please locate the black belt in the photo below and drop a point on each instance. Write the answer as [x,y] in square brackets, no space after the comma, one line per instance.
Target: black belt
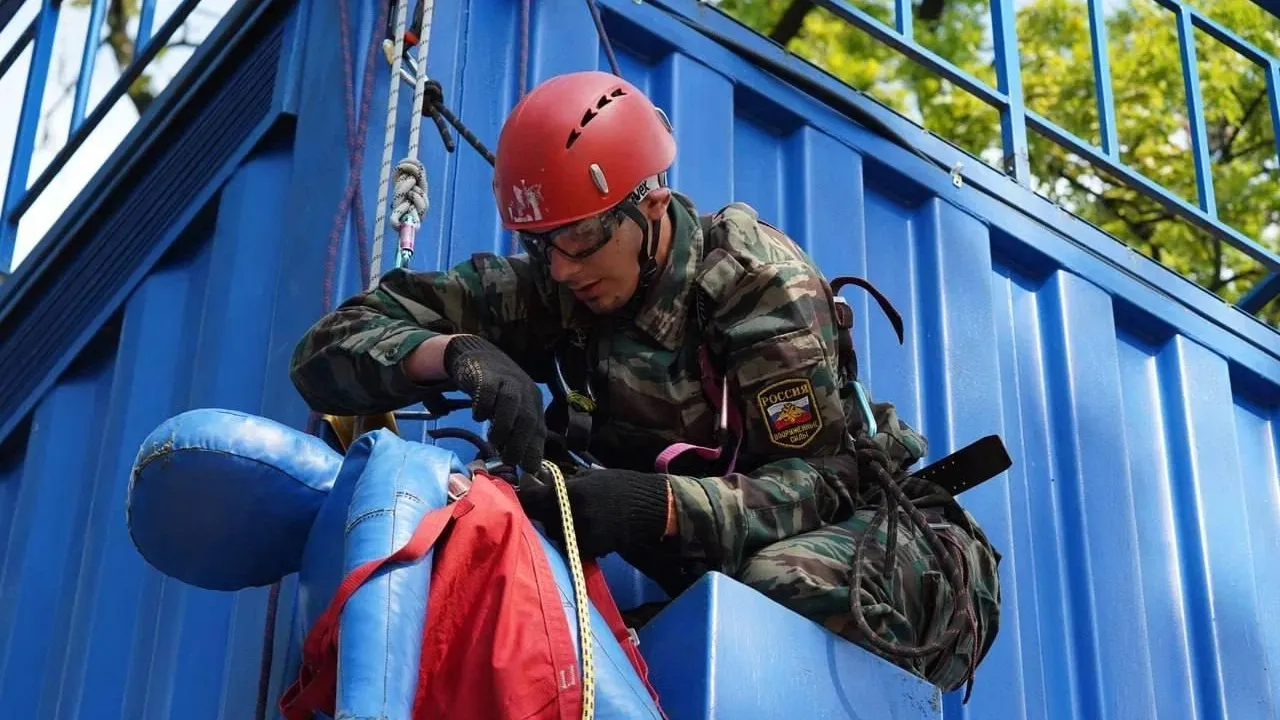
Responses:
[968,467]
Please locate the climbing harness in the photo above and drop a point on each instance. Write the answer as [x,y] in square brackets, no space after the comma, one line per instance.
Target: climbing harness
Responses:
[960,471]
[730,421]
[578,405]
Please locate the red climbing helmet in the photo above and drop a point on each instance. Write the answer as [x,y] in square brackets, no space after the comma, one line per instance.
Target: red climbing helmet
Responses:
[575,146]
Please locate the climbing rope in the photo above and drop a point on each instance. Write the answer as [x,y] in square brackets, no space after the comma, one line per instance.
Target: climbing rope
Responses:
[268,650]
[579,590]
[604,37]
[893,501]
[388,142]
[409,204]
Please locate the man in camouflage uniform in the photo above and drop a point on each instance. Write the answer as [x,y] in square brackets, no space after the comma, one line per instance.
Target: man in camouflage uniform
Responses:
[632,301]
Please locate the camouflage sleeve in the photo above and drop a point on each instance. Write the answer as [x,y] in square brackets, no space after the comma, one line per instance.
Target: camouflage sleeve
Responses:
[348,363]
[779,343]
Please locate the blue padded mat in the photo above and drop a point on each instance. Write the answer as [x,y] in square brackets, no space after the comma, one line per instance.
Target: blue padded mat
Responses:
[383,489]
[223,500]
[226,500]
[629,586]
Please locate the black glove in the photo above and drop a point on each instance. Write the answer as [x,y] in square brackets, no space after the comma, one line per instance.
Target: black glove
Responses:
[501,393]
[613,510]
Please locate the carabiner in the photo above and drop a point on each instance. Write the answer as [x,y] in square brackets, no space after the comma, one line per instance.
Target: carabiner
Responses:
[867,417]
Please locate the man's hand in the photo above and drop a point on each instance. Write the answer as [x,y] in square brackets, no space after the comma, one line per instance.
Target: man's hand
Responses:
[501,393]
[613,510]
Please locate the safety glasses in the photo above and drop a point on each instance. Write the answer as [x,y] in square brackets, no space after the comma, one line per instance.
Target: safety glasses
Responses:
[576,241]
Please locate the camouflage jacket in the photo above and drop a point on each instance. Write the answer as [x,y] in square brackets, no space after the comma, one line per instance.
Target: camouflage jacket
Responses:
[768,322]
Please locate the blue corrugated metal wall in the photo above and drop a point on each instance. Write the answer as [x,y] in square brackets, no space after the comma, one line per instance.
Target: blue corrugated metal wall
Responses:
[1140,523]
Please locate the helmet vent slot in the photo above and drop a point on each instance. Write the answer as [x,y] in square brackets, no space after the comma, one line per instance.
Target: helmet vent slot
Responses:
[591,114]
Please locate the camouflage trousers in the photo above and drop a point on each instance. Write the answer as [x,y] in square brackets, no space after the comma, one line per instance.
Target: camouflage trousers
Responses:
[811,574]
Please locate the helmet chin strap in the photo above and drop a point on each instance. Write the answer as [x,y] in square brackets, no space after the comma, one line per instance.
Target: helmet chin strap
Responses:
[651,231]
[648,255]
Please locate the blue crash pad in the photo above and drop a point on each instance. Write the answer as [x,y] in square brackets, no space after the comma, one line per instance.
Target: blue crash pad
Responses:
[630,587]
[227,500]
[723,651]
[385,486]
[223,500]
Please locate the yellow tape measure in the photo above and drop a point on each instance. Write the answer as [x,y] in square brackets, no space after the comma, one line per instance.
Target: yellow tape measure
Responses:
[579,590]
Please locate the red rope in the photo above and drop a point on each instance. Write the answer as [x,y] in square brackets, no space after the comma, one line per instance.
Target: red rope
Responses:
[352,199]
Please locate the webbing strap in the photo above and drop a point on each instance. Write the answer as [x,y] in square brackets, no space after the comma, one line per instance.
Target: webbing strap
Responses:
[891,312]
[713,386]
[968,467]
[716,390]
[314,689]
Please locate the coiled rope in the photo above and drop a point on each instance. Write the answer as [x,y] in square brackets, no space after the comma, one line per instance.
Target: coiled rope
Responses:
[893,501]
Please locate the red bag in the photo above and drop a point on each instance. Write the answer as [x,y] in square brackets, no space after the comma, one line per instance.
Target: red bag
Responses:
[496,642]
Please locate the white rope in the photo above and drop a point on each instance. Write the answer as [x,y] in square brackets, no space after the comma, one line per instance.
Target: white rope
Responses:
[375,266]
[420,90]
[410,203]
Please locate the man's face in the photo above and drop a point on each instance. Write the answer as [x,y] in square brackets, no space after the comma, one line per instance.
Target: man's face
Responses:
[598,259]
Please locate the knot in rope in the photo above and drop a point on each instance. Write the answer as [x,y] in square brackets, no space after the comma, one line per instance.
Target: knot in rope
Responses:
[875,462]
[409,204]
[433,94]
[433,105]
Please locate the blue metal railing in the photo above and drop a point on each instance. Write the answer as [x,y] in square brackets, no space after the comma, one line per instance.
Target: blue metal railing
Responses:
[1007,98]
[1015,117]
[40,35]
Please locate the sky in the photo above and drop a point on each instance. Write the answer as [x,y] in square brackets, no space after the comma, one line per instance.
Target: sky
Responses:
[55,124]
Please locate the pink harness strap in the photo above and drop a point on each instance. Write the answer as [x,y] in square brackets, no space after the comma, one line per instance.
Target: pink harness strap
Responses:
[730,420]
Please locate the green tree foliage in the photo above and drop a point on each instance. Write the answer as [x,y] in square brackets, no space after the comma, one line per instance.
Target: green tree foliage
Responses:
[1058,83]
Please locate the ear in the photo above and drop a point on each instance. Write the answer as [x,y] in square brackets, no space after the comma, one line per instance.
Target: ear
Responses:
[655,204]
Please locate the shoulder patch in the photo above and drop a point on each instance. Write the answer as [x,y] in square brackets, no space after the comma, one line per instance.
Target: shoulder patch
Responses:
[790,412]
